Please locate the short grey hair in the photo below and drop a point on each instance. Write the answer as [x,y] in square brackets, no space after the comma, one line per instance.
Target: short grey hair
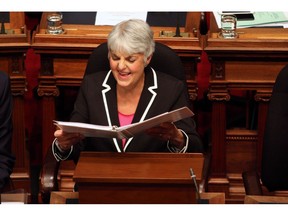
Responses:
[132,36]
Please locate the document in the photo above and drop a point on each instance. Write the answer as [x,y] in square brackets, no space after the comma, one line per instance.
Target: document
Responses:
[261,19]
[127,131]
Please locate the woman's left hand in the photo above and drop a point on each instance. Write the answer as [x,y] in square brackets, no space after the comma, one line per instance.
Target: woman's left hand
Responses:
[168,131]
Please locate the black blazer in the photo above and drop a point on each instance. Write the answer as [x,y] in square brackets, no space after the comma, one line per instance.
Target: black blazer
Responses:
[96,103]
[6,158]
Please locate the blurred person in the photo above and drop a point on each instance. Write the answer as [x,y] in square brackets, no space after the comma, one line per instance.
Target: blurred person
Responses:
[7,159]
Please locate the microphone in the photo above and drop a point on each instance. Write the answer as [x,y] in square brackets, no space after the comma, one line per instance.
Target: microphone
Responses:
[2,31]
[193,176]
[177,32]
[203,27]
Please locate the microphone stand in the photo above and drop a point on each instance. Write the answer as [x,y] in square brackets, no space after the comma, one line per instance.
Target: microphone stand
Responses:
[2,28]
[198,198]
[177,32]
[193,176]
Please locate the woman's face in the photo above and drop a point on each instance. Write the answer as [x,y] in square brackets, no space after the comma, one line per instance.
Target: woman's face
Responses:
[128,70]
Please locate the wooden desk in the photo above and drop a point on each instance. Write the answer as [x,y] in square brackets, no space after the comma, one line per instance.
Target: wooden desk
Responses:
[13,47]
[60,197]
[64,58]
[249,63]
[137,178]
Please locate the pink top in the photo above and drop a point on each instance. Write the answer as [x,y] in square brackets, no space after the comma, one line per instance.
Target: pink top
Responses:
[125,120]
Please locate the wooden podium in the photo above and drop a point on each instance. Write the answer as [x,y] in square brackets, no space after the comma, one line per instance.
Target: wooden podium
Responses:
[137,178]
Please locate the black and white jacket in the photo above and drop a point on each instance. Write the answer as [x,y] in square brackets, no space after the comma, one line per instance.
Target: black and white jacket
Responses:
[97,104]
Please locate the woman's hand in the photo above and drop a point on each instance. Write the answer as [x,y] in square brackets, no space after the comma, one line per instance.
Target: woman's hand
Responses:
[66,140]
[168,131]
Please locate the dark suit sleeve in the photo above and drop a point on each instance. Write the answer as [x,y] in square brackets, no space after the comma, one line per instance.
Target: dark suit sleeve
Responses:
[174,95]
[6,157]
[188,125]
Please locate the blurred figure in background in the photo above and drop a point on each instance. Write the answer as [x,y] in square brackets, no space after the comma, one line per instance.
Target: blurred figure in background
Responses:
[7,159]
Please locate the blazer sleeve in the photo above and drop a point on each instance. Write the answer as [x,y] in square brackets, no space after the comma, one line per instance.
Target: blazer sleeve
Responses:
[7,159]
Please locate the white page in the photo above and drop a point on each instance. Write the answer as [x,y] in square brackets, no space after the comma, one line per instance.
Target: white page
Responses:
[88,130]
[127,131]
[113,18]
[172,116]
[262,19]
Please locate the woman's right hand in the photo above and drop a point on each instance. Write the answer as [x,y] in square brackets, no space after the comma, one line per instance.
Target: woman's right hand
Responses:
[66,140]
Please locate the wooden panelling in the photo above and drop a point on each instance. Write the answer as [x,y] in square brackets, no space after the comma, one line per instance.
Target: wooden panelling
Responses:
[13,47]
[249,63]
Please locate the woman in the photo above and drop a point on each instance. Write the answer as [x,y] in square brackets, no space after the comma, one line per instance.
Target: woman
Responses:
[130,92]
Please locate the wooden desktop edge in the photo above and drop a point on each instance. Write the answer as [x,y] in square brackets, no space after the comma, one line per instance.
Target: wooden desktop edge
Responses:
[212,198]
[251,199]
[60,197]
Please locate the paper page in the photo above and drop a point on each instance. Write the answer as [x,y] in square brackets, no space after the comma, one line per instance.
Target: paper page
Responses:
[113,18]
[88,130]
[127,131]
[261,19]
[173,116]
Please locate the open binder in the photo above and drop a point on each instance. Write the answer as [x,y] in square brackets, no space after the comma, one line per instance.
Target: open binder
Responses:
[127,131]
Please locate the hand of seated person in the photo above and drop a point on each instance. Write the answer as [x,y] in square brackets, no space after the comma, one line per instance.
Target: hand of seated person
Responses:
[168,132]
[66,140]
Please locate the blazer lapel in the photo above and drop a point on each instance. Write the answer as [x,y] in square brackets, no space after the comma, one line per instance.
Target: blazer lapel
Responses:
[110,103]
[147,98]
[145,103]
[148,95]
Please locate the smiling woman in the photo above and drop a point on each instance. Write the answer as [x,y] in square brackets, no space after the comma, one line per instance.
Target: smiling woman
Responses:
[131,87]
[129,52]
